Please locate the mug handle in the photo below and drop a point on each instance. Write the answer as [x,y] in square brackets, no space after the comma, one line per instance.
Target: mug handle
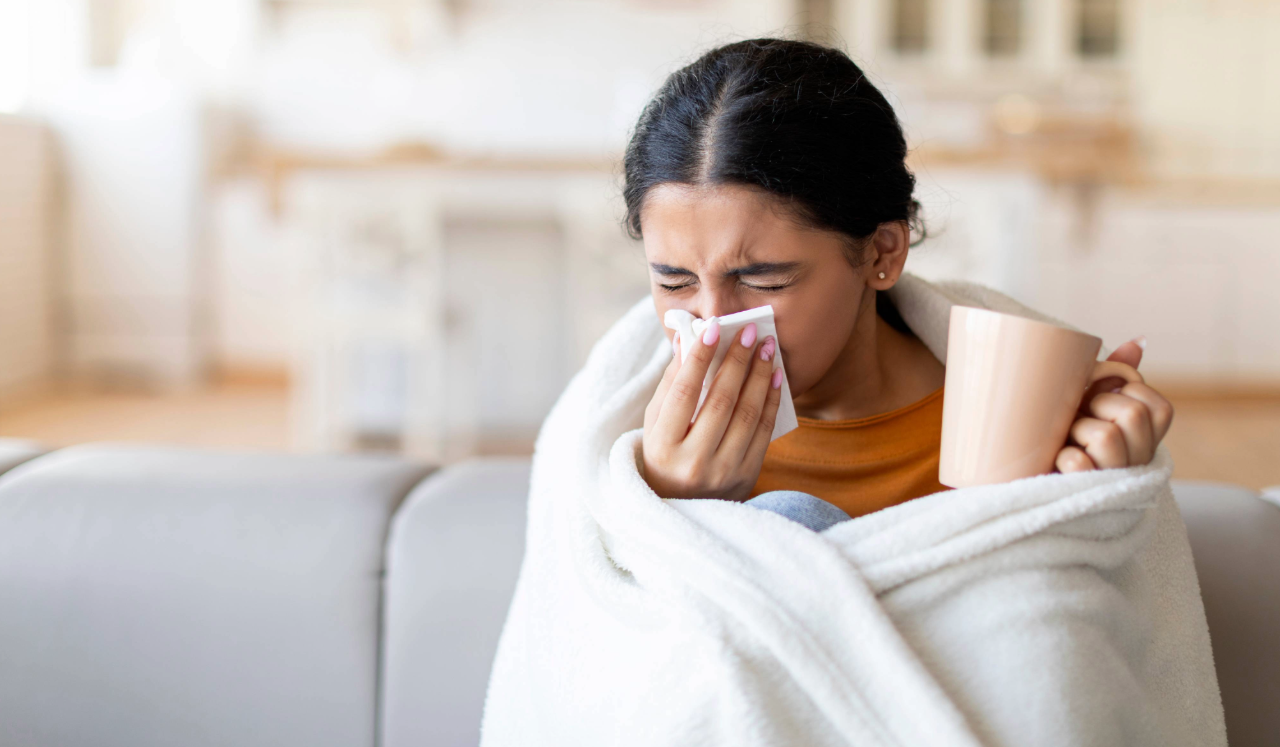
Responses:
[1108,369]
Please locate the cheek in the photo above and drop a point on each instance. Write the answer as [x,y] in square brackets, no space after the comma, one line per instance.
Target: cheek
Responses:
[814,335]
[810,351]
[661,307]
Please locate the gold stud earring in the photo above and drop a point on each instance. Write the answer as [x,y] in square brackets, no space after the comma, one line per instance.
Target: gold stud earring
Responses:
[882,276]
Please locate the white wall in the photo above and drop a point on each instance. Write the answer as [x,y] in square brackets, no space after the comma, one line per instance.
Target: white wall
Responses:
[1206,85]
[134,161]
[550,77]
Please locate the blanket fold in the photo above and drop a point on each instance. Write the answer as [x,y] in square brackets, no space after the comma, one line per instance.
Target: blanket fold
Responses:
[1056,610]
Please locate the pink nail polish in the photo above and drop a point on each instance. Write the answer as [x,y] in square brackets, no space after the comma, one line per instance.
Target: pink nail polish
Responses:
[766,350]
[776,381]
[712,334]
[749,335]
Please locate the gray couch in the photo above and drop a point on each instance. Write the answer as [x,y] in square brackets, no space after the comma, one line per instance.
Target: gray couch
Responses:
[153,596]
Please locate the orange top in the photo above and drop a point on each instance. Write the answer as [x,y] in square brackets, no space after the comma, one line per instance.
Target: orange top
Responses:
[860,465]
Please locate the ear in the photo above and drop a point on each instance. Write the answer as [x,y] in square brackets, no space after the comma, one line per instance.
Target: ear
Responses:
[887,253]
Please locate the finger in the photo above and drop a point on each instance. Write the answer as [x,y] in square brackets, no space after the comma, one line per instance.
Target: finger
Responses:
[672,423]
[1134,421]
[1159,408]
[1102,441]
[655,403]
[754,457]
[722,398]
[1072,459]
[751,404]
[1130,354]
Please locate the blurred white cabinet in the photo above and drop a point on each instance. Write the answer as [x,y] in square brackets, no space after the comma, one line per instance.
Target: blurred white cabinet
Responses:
[250,291]
[27,342]
[1198,279]
[441,311]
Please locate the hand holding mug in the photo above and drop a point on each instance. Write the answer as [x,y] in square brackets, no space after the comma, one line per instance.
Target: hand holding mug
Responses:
[1024,397]
[1121,420]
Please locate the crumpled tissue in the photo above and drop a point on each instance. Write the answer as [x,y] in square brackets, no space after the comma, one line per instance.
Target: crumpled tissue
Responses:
[690,328]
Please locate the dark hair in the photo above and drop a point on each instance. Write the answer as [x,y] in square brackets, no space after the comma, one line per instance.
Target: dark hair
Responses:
[793,118]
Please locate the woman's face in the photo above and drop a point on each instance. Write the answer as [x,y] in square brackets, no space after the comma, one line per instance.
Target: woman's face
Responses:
[716,250]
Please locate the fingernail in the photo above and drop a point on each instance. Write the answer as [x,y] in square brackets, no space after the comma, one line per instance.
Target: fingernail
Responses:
[749,335]
[776,381]
[766,350]
[675,344]
[1142,341]
[712,333]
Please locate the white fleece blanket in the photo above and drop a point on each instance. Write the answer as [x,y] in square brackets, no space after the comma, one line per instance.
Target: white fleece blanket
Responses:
[1056,610]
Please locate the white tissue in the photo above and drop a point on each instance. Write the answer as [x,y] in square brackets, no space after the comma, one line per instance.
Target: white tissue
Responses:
[690,328]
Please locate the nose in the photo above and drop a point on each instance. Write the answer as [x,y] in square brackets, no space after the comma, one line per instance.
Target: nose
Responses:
[711,304]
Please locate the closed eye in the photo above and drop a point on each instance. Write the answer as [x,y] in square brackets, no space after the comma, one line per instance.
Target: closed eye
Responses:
[768,287]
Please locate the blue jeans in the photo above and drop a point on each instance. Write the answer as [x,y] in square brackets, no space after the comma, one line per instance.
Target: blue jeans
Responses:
[802,508]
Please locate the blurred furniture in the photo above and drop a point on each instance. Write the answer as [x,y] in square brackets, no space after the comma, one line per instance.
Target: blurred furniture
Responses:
[443,307]
[1120,261]
[154,597]
[26,258]
[14,452]
[132,269]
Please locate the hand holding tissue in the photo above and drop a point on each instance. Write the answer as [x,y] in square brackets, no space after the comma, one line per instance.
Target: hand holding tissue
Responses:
[690,328]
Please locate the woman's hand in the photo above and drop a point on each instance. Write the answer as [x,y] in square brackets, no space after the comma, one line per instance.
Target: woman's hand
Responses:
[1117,427]
[720,455]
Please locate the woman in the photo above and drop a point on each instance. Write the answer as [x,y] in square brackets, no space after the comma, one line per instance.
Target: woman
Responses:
[1061,609]
[772,172]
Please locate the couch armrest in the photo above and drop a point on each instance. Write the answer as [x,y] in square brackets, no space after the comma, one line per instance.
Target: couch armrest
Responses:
[452,562]
[1235,540]
[162,597]
[16,451]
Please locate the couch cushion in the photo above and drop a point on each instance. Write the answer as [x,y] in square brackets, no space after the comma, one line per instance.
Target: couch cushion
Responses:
[165,597]
[1235,539]
[452,562]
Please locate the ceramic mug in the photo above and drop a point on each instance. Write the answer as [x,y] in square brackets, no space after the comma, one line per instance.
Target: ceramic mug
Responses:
[1013,386]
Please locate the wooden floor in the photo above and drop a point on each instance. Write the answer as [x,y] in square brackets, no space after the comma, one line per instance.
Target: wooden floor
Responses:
[239,417]
[1226,440]
[1222,439]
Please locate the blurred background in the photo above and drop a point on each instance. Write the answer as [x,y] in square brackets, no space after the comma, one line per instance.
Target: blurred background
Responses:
[394,225]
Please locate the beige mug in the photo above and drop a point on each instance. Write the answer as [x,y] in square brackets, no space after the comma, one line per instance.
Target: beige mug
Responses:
[1013,386]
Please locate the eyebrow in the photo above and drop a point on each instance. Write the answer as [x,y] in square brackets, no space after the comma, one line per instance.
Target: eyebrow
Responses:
[753,269]
[662,269]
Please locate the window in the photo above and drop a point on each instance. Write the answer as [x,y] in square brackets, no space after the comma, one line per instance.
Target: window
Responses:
[1002,36]
[910,26]
[1099,29]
